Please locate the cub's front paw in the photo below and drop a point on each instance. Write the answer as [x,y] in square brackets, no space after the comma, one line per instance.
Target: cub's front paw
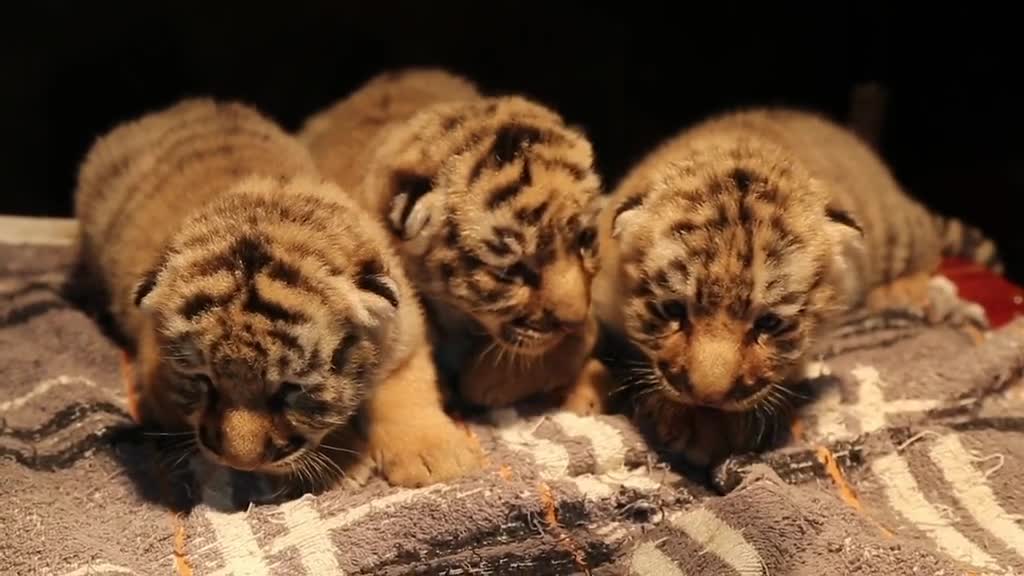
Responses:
[413,456]
[357,472]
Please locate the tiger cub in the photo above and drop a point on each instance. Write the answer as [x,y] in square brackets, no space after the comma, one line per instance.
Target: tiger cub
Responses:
[264,310]
[726,253]
[492,202]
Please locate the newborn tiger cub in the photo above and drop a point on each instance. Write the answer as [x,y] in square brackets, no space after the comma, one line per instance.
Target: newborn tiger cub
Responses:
[492,203]
[264,309]
[728,251]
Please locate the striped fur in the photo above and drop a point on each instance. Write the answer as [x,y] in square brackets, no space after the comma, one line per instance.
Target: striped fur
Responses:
[729,249]
[264,309]
[492,202]
[961,240]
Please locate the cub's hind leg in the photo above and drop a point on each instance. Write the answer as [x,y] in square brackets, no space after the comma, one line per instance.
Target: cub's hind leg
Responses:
[933,297]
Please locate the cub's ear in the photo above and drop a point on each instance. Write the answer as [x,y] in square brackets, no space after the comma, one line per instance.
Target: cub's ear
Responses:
[144,287]
[841,217]
[378,291]
[845,233]
[842,227]
[146,284]
[626,213]
[410,204]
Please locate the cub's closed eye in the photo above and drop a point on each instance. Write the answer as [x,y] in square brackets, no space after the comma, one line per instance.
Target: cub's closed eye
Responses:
[769,323]
[516,272]
[671,310]
[285,395]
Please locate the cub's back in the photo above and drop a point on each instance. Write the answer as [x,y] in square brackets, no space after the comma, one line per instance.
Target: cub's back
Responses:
[341,138]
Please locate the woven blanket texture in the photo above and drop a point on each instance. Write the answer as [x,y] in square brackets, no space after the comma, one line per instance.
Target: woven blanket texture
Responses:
[907,458]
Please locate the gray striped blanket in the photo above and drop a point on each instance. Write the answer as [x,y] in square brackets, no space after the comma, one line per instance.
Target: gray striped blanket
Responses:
[906,459]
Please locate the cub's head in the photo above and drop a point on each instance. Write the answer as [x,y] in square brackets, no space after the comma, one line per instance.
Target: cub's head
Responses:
[730,264]
[496,203]
[269,321]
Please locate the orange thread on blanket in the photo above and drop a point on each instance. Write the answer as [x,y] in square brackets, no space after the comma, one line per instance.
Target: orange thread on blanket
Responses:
[181,564]
[846,492]
[832,468]
[505,471]
[547,500]
[128,382]
[161,476]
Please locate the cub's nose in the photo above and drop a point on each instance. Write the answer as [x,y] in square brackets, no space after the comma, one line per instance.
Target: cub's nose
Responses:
[566,289]
[714,366]
[241,439]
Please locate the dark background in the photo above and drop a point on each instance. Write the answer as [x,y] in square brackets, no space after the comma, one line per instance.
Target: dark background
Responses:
[630,74]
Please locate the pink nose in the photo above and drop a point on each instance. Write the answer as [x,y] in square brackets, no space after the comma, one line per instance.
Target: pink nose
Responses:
[713,368]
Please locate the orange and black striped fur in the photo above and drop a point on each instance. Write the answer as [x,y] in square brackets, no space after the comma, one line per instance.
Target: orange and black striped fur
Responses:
[492,202]
[730,248]
[265,309]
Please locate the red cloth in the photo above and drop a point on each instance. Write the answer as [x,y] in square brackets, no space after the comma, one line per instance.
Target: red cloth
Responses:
[1002,300]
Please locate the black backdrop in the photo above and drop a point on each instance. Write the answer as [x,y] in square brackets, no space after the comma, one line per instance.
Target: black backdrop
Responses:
[630,73]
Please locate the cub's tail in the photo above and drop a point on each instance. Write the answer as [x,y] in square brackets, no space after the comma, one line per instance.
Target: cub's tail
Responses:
[961,240]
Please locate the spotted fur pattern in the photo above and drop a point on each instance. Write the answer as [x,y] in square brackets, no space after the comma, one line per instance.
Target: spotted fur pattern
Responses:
[492,202]
[729,249]
[265,313]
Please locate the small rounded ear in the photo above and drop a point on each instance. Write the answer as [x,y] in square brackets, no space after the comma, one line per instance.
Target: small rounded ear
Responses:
[845,233]
[145,286]
[626,212]
[842,227]
[148,281]
[410,204]
[844,218]
[378,291]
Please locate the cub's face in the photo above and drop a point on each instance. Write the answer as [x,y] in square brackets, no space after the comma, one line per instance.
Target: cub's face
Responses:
[726,278]
[523,275]
[262,355]
[509,230]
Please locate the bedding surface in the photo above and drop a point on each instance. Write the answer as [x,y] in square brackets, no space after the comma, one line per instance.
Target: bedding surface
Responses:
[906,458]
